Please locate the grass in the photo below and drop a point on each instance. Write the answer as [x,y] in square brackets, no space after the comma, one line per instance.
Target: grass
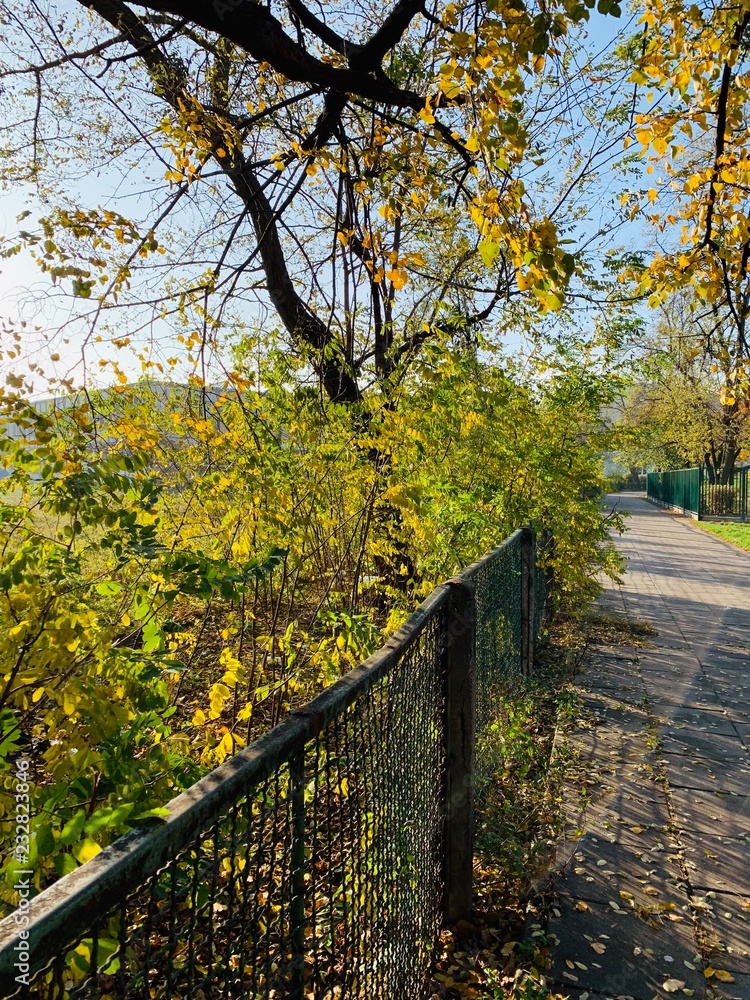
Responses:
[731,531]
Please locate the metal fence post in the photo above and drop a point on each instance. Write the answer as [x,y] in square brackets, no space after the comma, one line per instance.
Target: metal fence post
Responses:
[527,600]
[743,495]
[460,721]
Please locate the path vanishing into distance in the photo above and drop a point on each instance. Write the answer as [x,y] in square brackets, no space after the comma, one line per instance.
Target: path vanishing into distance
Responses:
[652,895]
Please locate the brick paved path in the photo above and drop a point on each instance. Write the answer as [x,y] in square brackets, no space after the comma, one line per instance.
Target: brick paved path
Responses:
[654,883]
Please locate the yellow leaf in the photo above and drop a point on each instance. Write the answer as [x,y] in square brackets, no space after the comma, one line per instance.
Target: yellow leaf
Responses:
[524,281]
[399,278]
[472,143]
[724,976]
[86,850]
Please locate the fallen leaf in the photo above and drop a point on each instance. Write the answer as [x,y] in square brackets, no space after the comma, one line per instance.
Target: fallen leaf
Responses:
[673,985]
[598,947]
[708,972]
[580,905]
[724,976]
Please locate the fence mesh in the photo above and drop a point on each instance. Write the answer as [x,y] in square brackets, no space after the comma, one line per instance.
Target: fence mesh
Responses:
[310,866]
[498,611]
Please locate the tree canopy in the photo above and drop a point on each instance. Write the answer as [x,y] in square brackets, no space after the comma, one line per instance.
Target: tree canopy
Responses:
[370,175]
[693,62]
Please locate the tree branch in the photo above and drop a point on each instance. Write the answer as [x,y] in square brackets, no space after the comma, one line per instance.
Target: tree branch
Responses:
[253,28]
[301,322]
[321,30]
[721,124]
[372,53]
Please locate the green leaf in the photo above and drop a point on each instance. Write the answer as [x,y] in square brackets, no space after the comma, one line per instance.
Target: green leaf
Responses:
[45,840]
[109,588]
[65,864]
[72,829]
[159,813]
[488,251]
[568,263]
[108,817]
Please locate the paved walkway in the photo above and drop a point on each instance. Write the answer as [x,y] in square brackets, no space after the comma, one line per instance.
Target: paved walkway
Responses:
[654,887]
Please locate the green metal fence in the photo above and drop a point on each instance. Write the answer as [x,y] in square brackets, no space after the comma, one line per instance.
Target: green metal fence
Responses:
[321,861]
[695,491]
[727,499]
[678,489]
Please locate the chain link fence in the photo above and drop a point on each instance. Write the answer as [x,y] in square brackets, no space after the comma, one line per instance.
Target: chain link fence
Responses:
[322,861]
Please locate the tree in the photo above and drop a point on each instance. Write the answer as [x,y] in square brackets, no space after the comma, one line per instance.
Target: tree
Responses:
[678,409]
[694,62]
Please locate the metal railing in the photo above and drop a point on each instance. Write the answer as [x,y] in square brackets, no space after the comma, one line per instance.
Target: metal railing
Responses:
[321,861]
[724,499]
[693,491]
